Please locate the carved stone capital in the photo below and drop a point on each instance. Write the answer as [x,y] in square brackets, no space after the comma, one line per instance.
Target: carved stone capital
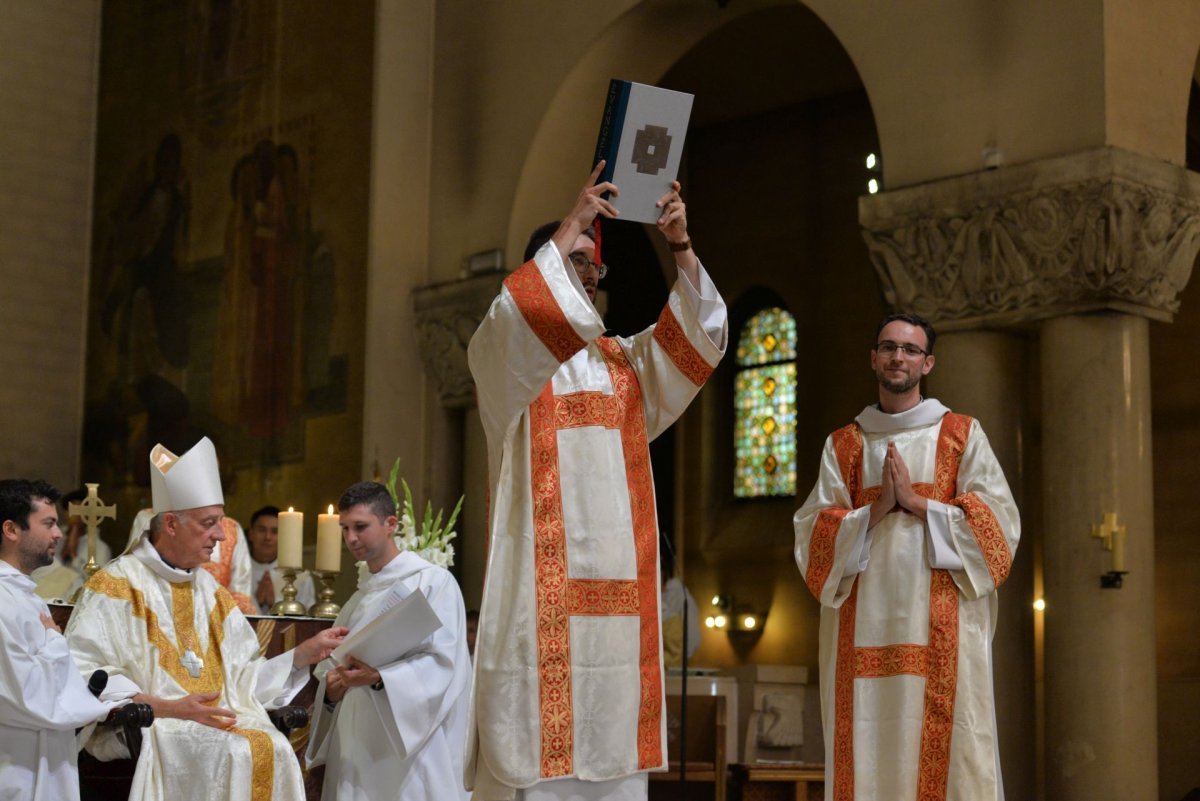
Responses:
[1103,229]
[447,315]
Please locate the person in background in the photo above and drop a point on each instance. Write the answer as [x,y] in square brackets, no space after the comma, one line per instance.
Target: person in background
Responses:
[265,575]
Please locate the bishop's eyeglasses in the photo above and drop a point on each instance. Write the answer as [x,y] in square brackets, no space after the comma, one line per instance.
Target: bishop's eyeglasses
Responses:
[887,348]
[581,263]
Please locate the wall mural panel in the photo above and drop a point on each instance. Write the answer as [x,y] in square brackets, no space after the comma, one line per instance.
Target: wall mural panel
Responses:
[229,243]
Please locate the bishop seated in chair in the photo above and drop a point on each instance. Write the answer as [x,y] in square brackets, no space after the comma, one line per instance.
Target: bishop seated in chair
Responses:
[170,636]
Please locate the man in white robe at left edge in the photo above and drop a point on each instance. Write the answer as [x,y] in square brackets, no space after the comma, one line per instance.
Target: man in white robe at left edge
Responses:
[169,636]
[43,698]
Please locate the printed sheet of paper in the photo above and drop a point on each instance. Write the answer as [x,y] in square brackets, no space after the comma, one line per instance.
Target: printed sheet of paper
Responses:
[402,623]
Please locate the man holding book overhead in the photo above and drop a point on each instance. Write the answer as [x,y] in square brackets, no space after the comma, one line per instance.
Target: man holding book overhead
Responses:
[568,692]
[391,709]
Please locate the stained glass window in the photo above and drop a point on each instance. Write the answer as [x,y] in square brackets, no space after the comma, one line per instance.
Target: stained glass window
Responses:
[765,406]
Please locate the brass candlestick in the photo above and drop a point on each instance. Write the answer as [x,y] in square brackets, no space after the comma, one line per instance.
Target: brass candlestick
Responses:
[325,607]
[289,605]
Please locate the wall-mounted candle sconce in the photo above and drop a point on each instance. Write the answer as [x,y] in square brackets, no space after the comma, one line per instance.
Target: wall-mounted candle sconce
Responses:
[1113,538]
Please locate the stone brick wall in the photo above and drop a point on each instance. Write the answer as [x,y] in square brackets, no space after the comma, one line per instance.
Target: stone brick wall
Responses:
[48,77]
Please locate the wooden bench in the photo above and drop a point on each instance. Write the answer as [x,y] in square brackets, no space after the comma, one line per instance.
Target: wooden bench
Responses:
[766,782]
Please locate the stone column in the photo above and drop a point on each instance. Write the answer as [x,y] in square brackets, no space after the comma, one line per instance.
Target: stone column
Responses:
[446,317]
[1101,735]
[1082,249]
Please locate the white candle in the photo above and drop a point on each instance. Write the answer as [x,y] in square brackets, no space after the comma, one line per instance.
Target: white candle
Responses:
[291,539]
[329,542]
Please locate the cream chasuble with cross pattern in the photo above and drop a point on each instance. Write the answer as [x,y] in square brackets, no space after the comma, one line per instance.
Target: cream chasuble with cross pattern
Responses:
[568,666]
[169,633]
[908,608]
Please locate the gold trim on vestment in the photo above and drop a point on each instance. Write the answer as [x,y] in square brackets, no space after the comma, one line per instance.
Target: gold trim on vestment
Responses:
[262,761]
[211,678]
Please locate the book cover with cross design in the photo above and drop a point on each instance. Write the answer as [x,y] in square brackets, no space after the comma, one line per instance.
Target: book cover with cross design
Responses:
[641,137]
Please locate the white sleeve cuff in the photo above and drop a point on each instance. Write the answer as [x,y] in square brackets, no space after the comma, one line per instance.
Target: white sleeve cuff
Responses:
[860,551]
[942,553]
[119,689]
[279,680]
[706,302]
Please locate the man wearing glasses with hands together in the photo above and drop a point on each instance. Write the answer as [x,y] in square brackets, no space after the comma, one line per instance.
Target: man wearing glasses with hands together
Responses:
[568,691]
[908,532]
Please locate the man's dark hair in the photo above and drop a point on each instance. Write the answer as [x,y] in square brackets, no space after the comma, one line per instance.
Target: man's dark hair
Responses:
[17,496]
[541,235]
[371,493]
[266,511]
[911,319]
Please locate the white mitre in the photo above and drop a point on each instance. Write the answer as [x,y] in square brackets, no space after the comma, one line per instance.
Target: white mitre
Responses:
[185,482]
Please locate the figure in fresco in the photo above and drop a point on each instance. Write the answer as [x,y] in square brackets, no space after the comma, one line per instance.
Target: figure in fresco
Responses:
[238,298]
[293,251]
[275,263]
[147,309]
[258,351]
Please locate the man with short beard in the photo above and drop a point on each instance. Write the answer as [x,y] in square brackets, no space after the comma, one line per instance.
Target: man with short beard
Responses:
[43,698]
[904,539]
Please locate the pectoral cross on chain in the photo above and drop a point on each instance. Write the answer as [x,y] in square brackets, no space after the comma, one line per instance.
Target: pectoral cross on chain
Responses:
[193,663]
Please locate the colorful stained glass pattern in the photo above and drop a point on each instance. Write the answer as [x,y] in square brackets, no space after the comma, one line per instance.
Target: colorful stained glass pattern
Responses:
[768,337]
[765,406]
[765,431]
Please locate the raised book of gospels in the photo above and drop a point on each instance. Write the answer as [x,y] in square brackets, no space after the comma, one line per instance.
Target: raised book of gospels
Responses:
[641,138]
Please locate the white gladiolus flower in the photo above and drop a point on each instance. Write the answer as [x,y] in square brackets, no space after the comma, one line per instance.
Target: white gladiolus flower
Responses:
[426,535]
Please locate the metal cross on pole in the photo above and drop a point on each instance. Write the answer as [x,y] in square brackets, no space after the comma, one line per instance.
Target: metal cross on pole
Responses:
[91,511]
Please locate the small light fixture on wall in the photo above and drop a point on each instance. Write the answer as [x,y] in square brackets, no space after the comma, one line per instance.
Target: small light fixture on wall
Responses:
[488,261]
[720,617]
[874,172]
[739,621]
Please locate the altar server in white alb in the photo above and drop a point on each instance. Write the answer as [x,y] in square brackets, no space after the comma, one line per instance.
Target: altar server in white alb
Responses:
[169,636]
[568,692]
[905,538]
[43,698]
[393,731]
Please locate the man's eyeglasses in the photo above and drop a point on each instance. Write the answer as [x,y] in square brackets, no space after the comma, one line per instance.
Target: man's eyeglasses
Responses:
[887,348]
[581,263]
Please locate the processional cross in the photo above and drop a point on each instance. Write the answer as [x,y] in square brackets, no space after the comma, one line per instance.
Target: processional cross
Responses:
[91,511]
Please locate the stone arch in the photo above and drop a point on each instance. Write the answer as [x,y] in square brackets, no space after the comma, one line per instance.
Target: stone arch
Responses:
[640,45]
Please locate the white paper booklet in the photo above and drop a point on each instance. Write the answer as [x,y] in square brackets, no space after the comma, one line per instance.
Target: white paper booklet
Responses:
[401,624]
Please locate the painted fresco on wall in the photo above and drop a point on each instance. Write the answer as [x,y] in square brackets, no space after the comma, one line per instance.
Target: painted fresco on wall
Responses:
[229,242]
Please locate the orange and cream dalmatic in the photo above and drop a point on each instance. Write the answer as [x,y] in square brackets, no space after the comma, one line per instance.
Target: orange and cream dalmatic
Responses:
[908,607]
[569,679]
